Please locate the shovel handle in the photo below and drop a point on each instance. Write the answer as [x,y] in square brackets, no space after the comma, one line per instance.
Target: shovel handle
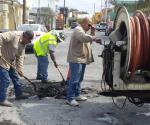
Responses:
[15,69]
[60,73]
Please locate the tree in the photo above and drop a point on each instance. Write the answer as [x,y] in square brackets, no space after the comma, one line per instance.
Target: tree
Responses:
[97,17]
[47,14]
[145,6]
[132,6]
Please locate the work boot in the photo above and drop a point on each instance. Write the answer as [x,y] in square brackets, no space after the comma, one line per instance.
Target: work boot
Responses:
[23,96]
[6,103]
[73,103]
[81,98]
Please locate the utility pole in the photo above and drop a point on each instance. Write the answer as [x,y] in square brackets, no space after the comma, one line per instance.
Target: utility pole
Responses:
[94,14]
[24,12]
[64,12]
[106,3]
[101,5]
[38,12]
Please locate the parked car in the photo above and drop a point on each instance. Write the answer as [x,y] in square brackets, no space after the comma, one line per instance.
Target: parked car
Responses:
[102,27]
[4,30]
[73,25]
[38,30]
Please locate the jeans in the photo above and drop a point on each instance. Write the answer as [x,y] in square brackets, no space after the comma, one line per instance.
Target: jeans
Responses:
[5,77]
[42,67]
[76,77]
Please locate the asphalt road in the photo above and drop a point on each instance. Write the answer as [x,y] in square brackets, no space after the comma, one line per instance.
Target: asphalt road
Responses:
[97,110]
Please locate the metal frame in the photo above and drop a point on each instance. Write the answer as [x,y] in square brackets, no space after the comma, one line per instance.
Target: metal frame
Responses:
[119,84]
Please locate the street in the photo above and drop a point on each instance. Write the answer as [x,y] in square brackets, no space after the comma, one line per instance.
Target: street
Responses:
[97,110]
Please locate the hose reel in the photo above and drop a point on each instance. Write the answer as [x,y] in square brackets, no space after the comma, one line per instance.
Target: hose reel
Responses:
[126,58]
[135,32]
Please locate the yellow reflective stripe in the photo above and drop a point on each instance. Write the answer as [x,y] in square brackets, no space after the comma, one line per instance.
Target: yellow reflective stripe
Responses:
[48,41]
[42,46]
[53,42]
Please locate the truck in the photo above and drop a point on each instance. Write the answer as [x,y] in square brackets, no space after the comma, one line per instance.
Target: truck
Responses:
[59,22]
[126,62]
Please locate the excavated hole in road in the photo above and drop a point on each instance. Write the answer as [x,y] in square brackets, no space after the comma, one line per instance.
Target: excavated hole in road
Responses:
[55,89]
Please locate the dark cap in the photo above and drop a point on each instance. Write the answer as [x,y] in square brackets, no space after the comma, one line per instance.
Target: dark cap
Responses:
[29,33]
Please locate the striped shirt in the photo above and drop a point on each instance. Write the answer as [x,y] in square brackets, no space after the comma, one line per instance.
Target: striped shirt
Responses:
[12,49]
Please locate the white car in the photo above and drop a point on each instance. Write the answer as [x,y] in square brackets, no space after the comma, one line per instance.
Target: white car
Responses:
[38,30]
[103,27]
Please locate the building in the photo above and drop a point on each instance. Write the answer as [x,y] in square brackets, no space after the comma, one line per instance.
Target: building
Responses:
[77,15]
[11,13]
[44,13]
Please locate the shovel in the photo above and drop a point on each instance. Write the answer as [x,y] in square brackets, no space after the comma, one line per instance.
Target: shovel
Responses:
[60,73]
[64,82]
[34,86]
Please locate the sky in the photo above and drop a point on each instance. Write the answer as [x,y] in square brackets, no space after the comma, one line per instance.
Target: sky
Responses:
[89,6]
[82,5]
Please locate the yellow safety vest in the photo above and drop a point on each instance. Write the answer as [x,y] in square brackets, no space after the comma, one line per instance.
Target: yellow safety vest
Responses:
[41,46]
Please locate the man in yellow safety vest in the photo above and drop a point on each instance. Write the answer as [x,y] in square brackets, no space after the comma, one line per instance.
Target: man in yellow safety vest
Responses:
[44,45]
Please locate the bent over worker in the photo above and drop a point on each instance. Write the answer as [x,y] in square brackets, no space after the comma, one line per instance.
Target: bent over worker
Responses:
[44,45]
[12,49]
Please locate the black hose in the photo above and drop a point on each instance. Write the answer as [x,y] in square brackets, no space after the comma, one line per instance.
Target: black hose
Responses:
[107,56]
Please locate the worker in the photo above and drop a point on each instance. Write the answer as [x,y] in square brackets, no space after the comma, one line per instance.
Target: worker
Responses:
[79,55]
[44,45]
[12,49]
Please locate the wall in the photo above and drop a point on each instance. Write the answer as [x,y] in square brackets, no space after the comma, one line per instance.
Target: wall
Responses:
[11,14]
